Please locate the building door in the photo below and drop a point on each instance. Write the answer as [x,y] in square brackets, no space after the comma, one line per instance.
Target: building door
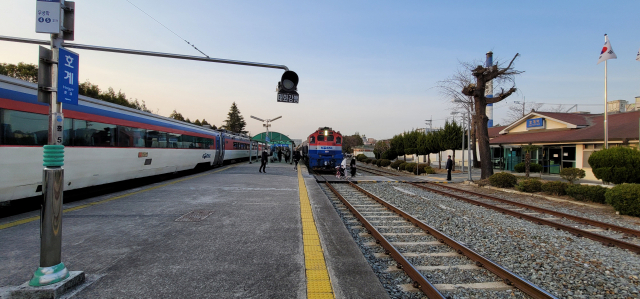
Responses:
[554,160]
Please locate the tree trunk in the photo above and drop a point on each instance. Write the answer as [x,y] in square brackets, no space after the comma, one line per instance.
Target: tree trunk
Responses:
[482,123]
[429,159]
[439,160]
[527,163]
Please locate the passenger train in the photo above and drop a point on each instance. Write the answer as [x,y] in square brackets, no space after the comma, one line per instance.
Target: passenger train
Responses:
[323,149]
[104,142]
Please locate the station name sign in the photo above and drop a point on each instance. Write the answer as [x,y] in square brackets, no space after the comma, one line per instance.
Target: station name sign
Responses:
[535,123]
[288,97]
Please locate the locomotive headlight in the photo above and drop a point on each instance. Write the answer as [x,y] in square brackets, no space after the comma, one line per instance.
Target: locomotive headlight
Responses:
[326,132]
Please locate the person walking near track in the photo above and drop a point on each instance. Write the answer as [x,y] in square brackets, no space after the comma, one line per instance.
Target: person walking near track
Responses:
[353,166]
[263,161]
[296,158]
[449,167]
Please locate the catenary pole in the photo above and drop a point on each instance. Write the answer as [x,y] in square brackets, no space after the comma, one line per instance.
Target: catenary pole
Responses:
[606,131]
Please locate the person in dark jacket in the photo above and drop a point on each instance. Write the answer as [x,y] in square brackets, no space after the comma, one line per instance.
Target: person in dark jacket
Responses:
[296,158]
[449,167]
[352,164]
[279,155]
[263,161]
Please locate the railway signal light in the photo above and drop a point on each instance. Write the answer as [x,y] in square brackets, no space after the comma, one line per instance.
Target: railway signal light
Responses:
[288,88]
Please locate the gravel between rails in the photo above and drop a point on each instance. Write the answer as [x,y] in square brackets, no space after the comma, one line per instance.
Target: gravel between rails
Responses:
[392,280]
[561,263]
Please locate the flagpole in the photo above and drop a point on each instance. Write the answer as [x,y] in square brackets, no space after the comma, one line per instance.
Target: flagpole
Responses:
[606,139]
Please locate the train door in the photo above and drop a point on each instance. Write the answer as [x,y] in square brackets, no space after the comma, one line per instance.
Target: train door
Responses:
[218,158]
[223,144]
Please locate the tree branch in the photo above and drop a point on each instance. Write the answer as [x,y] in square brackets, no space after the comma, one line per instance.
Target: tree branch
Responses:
[503,95]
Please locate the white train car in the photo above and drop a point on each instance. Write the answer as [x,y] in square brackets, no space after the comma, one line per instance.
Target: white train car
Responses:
[104,142]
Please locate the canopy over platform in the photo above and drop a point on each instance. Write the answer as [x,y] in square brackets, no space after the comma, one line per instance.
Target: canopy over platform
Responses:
[274,138]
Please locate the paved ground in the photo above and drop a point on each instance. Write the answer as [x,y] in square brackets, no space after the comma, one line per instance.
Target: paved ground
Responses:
[250,246]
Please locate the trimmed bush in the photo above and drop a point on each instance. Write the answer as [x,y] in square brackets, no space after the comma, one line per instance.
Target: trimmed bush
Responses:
[374,161]
[533,167]
[368,160]
[421,167]
[402,166]
[361,157]
[396,164]
[555,188]
[429,170]
[411,167]
[625,199]
[616,165]
[587,193]
[529,185]
[503,180]
[384,162]
[378,162]
[572,174]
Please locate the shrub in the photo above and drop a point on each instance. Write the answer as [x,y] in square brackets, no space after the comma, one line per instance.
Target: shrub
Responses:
[378,162]
[384,162]
[533,167]
[402,165]
[411,167]
[555,188]
[429,170]
[572,174]
[361,157]
[396,164]
[625,199]
[421,167]
[503,180]
[587,193]
[374,161]
[616,165]
[529,185]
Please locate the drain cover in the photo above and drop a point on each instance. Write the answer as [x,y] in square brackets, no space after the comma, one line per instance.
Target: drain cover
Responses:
[194,216]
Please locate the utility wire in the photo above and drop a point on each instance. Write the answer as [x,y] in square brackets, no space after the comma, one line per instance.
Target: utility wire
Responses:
[190,44]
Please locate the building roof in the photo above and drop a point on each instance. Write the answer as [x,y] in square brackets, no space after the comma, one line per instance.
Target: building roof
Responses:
[495,131]
[621,126]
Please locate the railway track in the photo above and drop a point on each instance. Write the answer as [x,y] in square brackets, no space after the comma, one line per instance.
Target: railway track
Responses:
[409,242]
[606,233]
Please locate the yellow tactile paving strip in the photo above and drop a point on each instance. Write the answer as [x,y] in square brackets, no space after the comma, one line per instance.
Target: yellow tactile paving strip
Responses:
[318,282]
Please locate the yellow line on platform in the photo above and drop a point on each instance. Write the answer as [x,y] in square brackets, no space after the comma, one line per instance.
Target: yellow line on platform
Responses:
[318,281]
[27,220]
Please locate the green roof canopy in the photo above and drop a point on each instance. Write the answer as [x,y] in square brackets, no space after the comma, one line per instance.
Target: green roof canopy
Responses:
[274,137]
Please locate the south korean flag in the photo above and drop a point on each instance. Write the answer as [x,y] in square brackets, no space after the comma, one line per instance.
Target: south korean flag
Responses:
[607,51]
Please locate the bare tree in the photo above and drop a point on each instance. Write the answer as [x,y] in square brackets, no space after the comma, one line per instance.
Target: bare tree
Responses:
[451,89]
[484,75]
[518,111]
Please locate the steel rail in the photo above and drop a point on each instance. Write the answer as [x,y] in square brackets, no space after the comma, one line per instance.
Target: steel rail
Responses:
[143,53]
[551,212]
[579,232]
[509,277]
[423,284]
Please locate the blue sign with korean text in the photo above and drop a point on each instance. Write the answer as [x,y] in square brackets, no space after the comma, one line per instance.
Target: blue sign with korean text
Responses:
[68,65]
[535,123]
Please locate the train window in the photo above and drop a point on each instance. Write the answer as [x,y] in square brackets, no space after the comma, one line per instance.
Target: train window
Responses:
[312,139]
[89,133]
[338,140]
[131,137]
[320,137]
[330,138]
[23,128]
[187,141]
[156,139]
[173,140]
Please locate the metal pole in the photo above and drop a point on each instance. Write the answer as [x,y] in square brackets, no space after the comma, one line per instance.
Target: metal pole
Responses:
[606,137]
[144,53]
[469,142]
[462,153]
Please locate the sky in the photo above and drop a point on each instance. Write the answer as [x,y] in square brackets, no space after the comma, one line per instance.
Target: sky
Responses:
[371,67]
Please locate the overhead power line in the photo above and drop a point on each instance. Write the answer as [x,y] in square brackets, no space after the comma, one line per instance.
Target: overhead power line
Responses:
[190,44]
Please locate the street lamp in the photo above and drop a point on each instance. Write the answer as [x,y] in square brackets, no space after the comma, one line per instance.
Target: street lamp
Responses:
[267,125]
[468,135]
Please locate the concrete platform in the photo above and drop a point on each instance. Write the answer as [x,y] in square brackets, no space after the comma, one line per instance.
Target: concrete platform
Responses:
[230,232]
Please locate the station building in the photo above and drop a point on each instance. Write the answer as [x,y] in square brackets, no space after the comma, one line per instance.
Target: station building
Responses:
[565,139]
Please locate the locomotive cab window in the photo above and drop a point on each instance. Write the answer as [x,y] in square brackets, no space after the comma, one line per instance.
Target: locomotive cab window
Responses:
[320,137]
[312,139]
[338,140]
[330,138]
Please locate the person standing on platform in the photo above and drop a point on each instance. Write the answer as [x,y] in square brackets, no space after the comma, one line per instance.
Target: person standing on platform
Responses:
[263,161]
[279,155]
[296,158]
[449,167]
[353,166]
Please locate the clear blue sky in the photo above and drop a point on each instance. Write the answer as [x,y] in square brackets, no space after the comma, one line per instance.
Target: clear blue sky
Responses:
[366,66]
